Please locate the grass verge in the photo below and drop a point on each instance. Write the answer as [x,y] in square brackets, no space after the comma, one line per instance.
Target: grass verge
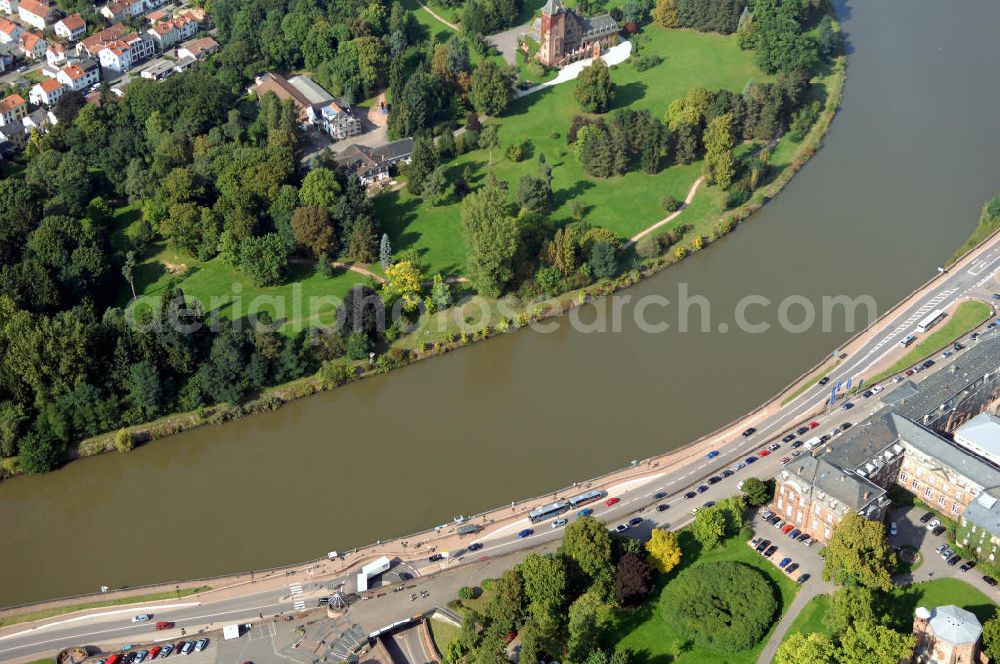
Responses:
[443,633]
[809,382]
[61,610]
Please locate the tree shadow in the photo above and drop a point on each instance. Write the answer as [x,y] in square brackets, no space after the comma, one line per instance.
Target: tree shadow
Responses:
[628,94]
[148,273]
[564,196]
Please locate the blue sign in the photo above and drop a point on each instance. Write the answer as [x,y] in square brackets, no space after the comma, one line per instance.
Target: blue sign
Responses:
[848,386]
[833,395]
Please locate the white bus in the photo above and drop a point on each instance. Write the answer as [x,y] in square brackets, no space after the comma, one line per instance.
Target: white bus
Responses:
[932,319]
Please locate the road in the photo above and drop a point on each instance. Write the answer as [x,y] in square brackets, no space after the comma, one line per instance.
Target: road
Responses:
[972,278]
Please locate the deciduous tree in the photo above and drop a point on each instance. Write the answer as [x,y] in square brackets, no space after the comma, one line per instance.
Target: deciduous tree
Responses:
[491,236]
[800,648]
[313,230]
[664,550]
[858,553]
[633,580]
[595,91]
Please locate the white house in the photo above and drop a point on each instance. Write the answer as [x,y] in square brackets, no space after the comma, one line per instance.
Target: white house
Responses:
[10,32]
[46,93]
[8,6]
[71,28]
[12,109]
[119,10]
[123,54]
[198,49]
[32,45]
[55,54]
[80,75]
[172,31]
[36,14]
[93,44]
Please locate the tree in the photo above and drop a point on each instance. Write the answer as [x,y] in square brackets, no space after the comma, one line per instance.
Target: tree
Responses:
[363,311]
[800,648]
[491,236]
[849,605]
[587,542]
[222,375]
[757,492]
[594,89]
[124,441]
[436,187]
[404,282]
[13,421]
[506,608]
[423,161]
[490,90]
[440,297]
[545,583]
[585,624]
[664,550]
[633,580]
[385,251]
[128,271]
[720,165]
[313,230]
[991,638]
[602,260]
[869,643]
[665,14]
[263,259]
[319,189]
[145,390]
[357,346]
[709,527]
[859,554]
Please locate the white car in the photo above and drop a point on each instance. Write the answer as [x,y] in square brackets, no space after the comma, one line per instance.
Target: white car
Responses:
[933,524]
[892,529]
[877,389]
[142,617]
[558,523]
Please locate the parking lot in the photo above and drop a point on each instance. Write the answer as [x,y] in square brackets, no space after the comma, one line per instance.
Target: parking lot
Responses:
[802,556]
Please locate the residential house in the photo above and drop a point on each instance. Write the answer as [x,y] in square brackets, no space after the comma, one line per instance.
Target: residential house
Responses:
[8,6]
[283,89]
[119,10]
[12,109]
[46,93]
[6,56]
[37,14]
[10,32]
[39,120]
[93,44]
[372,165]
[172,31]
[159,70]
[335,119]
[33,45]
[13,137]
[80,75]
[125,53]
[71,28]
[198,49]
[55,54]
[566,35]
[154,4]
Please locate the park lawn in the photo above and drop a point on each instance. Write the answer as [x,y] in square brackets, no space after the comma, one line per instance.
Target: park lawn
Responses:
[902,603]
[306,299]
[125,220]
[428,27]
[624,204]
[966,317]
[646,632]
[443,633]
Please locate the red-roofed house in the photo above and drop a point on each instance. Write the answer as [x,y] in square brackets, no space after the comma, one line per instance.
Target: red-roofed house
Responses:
[198,49]
[93,44]
[10,32]
[47,92]
[12,109]
[36,14]
[79,76]
[119,10]
[123,54]
[168,33]
[55,54]
[72,27]
[32,45]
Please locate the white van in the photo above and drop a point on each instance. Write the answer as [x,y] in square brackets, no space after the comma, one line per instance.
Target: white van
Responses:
[907,340]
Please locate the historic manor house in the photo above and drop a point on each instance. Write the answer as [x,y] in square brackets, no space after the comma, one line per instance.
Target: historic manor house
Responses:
[565,36]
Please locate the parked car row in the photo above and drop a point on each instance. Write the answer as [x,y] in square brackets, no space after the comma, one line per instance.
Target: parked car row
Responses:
[156,652]
[788,529]
[787,565]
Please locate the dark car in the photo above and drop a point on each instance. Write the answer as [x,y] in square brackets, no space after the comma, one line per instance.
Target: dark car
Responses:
[714,479]
[749,432]
[662,508]
[957,347]
[131,657]
[797,444]
[750,459]
[660,494]
[476,546]
[966,566]
[709,503]
[954,559]
[990,581]
[824,438]
[867,394]
[436,557]
[927,517]
[690,494]
[702,488]
[727,473]
[824,380]
[791,568]
[763,545]
[928,364]
[803,537]
[938,530]
[634,521]
[802,430]
[802,579]
[789,438]
[845,426]
[527,532]
[847,405]
[770,551]
[794,533]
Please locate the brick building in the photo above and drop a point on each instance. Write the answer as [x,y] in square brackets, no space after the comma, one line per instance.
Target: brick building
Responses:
[566,36]
[947,635]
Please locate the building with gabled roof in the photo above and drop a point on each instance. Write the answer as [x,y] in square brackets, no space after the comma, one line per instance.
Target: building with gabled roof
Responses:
[36,14]
[199,48]
[32,45]
[12,109]
[566,36]
[119,10]
[372,164]
[71,28]
[93,44]
[8,6]
[10,32]
[46,93]
[79,76]
[126,52]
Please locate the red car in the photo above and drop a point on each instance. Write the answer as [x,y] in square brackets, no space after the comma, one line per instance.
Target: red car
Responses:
[764,453]
[813,425]
[611,501]
[787,529]
[154,651]
[164,624]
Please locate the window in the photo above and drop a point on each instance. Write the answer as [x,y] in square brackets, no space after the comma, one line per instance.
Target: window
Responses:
[902,477]
[829,518]
[788,511]
[826,533]
[941,499]
[927,493]
[781,503]
[914,485]
[781,491]
[798,517]
[955,508]
[815,525]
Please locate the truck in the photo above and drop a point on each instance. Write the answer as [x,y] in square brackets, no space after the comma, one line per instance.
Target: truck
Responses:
[813,442]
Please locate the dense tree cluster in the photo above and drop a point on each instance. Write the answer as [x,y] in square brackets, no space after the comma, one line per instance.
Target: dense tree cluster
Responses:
[788,35]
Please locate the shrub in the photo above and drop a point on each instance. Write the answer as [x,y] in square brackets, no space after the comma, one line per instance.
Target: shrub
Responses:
[123,441]
[486,584]
[670,204]
[554,136]
[644,62]
[465,593]
[515,152]
[738,195]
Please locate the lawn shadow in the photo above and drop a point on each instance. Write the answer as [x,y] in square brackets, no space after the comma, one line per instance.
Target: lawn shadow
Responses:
[148,273]
[563,196]
[628,94]
[524,104]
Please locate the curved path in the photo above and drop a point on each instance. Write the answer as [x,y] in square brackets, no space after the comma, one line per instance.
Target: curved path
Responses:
[666,220]
[431,12]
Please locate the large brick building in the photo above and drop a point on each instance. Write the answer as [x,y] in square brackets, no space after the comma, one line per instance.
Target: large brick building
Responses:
[565,35]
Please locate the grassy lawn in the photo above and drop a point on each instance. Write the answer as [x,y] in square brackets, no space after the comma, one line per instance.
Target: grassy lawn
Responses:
[58,611]
[428,26]
[810,382]
[443,633]
[541,120]
[901,604]
[646,631]
[966,317]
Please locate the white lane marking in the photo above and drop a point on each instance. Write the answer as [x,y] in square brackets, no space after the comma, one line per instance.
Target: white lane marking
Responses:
[103,614]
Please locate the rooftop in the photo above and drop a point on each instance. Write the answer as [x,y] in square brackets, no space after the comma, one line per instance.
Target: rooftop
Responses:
[984,511]
[9,102]
[74,22]
[982,434]
[976,469]
[955,625]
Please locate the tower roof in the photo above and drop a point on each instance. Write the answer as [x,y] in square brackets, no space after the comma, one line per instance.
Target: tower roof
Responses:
[553,7]
[955,625]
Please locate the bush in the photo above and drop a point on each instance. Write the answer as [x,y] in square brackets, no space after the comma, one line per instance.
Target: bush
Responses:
[486,584]
[465,593]
[725,605]
[644,62]
[123,441]
[670,204]
[737,196]
[554,136]
[515,152]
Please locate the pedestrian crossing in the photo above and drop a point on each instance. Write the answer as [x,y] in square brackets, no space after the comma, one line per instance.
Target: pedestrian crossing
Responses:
[296,590]
[926,308]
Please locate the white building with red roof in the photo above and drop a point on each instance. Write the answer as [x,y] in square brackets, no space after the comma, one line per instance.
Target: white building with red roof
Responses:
[79,75]
[172,31]
[32,45]
[125,53]
[36,14]
[71,28]
[119,10]
[12,109]
[10,32]
[93,44]
[198,49]
[55,54]
[47,92]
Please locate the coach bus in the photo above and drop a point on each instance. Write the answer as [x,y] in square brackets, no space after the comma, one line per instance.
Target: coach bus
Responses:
[932,319]
[547,511]
[584,498]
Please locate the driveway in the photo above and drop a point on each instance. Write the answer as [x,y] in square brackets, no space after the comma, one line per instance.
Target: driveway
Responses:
[506,41]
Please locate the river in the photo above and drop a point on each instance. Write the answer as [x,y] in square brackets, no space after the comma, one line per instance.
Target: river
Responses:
[899,185]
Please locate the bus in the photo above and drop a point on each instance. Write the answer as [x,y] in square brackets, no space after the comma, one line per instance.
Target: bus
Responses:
[932,319]
[547,511]
[584,498]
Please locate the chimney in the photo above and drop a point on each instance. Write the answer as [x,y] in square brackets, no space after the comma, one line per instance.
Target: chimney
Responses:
[868,495]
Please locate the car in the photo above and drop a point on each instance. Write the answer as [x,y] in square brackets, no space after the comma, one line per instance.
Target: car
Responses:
[899,378]
[797,444]
[749,432]
[938,531]
[773,446]
[727,473]
[779,524]
[434,558]
[130,658]
[867,394]
[791,568]
[770,551]
[659,494]
[957,347]
[774,519]
[154,651]
[802,430]
[141,656]
[847,405]
[948,553]
[612,501]
[712,454]
[201,645]
[621,527]
[941,549]
[823,381]
[877,389]
[928,364]
[796,453]
[813,424]
[142,617]
[784,562]
[990,581]
[974,336]
[709,503]
[927,517]
[167,649]
[918,368]
[967,565]
[690,494]
[892,529]
[527,532]
[180,649]
[845,426]
[750,459]
[164,624]
[795,533]
[714,479]
[662,508]
[823,438]
[766,514]
[953,560]
[740,466]
[933,524]
[475,546]
[702,488]
[803,537]
[634,521]
[785,460]
[763,545]
[559,523]
[755,541]
[802,579]
[787,528]
[586,511]
[789,438]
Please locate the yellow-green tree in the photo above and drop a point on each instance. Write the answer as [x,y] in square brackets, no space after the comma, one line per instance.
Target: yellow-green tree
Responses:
[664,550]
[404,282]
[801,649]
[665,14]
[720,165]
